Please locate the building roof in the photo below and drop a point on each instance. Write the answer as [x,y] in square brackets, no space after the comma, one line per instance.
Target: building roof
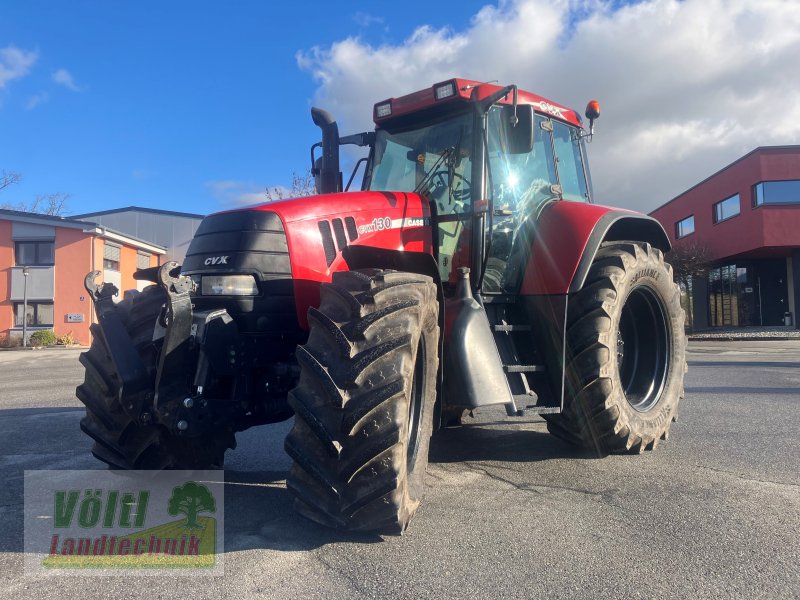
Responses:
[759,149]
[40,219]
[156,211]
[85,226]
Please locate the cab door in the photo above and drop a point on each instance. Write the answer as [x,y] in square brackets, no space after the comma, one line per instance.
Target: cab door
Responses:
[520,184]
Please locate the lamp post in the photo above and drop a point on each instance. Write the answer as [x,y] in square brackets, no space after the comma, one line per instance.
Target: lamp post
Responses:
[24,307]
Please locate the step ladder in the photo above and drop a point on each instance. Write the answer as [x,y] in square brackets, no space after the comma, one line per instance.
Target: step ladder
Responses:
[524,399]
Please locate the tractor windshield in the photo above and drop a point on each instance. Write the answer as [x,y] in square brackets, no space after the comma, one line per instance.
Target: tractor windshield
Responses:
[433,160]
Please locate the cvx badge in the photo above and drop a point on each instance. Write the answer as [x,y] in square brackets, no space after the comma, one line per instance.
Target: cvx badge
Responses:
[217,260]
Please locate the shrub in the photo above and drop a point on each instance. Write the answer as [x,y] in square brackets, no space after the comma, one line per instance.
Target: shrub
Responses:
[43,337]
[7,341]
[66,340]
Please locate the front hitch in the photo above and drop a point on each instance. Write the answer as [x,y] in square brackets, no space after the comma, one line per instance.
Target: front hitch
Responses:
[173,395]
[134,385]
[193,345]
[170,402]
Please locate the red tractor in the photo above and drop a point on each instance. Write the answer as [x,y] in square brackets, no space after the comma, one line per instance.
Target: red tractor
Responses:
[471,269]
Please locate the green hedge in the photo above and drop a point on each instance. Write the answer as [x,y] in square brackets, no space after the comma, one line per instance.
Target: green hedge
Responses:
[43,337]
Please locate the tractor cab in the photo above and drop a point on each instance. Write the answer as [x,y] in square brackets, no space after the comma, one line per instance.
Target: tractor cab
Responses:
[488,159]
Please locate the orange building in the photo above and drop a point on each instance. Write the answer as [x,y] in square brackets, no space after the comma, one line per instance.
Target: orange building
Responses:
[57,253]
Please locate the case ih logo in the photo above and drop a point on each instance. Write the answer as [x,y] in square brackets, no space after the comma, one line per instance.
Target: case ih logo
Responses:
[217,260]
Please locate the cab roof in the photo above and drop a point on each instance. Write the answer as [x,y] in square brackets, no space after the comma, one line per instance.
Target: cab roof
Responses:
[462,91]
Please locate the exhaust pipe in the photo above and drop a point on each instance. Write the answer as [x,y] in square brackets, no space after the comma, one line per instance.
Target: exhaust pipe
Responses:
[326,172]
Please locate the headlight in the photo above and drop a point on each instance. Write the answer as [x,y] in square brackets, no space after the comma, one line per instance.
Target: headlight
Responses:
[445,91]
[229,285]
[383,110]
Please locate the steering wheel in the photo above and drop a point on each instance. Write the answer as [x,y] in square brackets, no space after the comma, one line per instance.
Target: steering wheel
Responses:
[447,197]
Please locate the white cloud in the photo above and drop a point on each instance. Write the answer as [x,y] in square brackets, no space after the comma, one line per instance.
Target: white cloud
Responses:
[64,77]
[15,63]
[363,19]
[222,186]
[685,86]
[36,100]
[246,198]
[237,193]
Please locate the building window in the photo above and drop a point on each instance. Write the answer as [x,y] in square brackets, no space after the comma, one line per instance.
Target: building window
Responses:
[40,314]
[776,192]
[726,209]
[33,254]
[142,260]
[111,256]
[684,227]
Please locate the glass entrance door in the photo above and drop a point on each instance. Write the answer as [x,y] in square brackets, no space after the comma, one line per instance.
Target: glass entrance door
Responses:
[734,294]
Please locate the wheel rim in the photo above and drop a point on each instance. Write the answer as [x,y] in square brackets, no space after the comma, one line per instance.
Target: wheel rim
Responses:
[415,403]
[643,348]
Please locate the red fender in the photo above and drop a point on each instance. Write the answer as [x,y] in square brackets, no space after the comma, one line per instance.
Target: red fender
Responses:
[568,235]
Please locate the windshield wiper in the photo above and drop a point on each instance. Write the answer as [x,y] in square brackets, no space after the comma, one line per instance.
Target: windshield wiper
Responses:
[430,172]
[453,164]
[451,155]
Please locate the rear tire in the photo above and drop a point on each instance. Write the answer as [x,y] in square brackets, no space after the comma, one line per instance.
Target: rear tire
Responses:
[365,401]
[625,353]
[120,441]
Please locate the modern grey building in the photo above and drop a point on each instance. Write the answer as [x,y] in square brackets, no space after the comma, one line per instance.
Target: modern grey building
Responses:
[172,230]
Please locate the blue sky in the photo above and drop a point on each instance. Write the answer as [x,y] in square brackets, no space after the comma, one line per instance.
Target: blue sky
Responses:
[166,97]
[199,106]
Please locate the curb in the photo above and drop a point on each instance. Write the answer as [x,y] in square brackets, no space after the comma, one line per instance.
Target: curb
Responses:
[744,339]
[40,348]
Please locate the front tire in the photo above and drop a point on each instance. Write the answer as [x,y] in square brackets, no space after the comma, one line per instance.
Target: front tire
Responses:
[625,353]
[365,401]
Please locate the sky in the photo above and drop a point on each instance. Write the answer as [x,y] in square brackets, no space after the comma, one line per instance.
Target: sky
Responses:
[201,106]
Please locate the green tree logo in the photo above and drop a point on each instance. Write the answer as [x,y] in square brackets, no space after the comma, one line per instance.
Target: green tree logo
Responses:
[190,499]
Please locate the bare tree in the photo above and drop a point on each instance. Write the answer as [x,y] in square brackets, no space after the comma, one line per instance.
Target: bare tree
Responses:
[9,178]
[49,204]
[44,204]
[302,185]
[689,260]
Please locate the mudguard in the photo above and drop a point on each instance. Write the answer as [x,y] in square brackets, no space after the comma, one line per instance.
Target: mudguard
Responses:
[475,375]
[568,236]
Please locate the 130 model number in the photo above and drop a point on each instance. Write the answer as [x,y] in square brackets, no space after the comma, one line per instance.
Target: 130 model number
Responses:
[377,224]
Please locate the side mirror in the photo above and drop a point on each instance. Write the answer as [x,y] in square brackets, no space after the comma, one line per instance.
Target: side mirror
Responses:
[317,171]
[520,136]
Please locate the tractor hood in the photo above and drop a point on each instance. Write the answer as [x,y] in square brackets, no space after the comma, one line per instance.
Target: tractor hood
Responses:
[344,203]
[301,242]
[319,229]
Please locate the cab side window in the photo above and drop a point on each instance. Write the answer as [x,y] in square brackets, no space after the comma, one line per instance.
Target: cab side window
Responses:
[569,160]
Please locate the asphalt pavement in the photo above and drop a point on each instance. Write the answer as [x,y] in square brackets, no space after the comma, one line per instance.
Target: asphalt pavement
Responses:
[510,511]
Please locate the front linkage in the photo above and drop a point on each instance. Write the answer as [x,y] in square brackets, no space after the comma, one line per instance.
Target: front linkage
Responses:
[194,347]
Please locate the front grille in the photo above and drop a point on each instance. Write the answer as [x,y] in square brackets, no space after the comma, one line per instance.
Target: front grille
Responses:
[240,242]
[247,242]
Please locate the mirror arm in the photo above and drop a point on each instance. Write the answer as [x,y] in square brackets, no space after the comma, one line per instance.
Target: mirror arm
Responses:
[313,160]
[363,159]
[367,138]
[489,101]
